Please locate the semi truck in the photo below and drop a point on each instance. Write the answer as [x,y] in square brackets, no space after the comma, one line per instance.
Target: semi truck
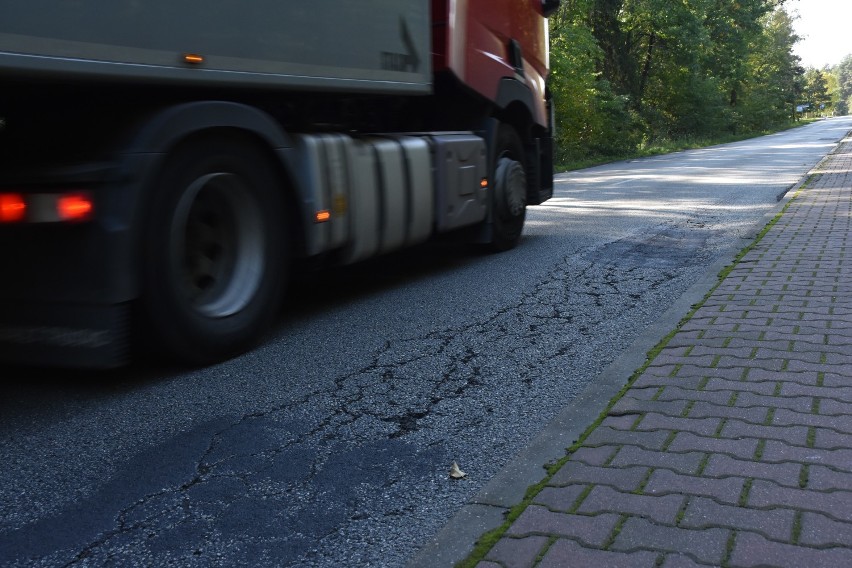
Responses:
[166,166]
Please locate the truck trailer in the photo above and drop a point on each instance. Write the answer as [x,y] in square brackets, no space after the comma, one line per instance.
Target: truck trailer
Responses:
[164,166]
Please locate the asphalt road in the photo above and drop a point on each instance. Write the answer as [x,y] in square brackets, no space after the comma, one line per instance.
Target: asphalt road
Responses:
[330,444]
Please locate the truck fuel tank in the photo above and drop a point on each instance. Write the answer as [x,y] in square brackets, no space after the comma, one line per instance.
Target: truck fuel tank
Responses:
[375,194]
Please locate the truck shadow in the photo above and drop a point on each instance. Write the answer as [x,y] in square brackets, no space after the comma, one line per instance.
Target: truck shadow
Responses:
[310,292]
[320,289]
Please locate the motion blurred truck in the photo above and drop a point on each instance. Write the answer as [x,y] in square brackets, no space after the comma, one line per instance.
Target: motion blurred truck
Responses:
[165,165]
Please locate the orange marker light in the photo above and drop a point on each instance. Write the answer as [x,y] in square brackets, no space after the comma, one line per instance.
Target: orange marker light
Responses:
[483,183]
[74,207]
[193,58]
[13,208]
[322,216]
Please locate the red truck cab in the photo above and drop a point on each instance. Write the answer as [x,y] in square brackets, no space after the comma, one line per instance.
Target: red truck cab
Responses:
[483,42]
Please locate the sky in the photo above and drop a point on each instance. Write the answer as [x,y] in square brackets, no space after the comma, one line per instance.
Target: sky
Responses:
[826,30]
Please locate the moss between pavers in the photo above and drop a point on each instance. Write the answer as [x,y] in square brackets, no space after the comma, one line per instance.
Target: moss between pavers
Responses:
[729,549]
[544,550]
[580,498]
[797,528]
[487,541]
[743,500]
[804,474]
[616,530]
[681,513]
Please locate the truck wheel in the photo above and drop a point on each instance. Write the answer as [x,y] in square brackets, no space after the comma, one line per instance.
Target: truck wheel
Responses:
[214,259]
[510,190]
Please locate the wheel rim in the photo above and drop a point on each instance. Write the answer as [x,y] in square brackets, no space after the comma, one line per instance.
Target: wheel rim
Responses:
[511,188]
[217,247]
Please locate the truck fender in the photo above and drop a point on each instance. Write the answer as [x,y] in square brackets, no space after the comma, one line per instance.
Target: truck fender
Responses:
[143,155]
[162,131]
[510,91]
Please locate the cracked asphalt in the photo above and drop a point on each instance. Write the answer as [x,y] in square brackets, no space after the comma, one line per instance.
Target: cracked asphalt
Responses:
[330,444]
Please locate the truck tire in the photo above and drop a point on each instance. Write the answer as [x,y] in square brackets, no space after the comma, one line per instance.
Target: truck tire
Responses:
[215,260]
[509,198]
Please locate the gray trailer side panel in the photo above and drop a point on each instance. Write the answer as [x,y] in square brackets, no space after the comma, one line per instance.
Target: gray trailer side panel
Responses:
[359,45]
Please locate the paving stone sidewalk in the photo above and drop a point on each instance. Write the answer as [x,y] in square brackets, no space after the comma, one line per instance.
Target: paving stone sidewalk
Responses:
[734,447]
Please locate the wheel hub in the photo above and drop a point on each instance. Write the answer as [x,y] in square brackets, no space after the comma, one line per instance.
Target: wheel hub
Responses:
[511,188]
[217,253]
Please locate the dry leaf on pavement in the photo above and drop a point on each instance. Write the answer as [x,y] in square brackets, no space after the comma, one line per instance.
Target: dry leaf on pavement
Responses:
[455,472]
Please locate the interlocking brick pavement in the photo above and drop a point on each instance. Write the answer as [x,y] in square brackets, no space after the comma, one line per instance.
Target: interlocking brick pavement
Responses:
[734,447]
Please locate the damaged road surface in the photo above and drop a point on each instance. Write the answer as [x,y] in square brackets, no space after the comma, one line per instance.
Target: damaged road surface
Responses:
[331,443]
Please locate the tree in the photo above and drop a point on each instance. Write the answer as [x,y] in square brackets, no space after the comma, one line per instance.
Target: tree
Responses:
[833,91]
[626,72]
[843,73]
[816,94]
[775,76]
[732,28]
[682,65]
[592,120]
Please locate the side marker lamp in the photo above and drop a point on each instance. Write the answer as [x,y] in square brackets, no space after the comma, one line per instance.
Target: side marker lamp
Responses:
[193,58]
[322,216]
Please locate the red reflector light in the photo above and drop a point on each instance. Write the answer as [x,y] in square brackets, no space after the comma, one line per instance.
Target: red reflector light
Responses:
[74,207]
[13,208]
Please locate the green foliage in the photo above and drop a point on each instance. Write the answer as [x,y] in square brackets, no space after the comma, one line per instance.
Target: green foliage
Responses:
[629,73]
[843,95]
[775,84]
[816,94]
[592,119]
